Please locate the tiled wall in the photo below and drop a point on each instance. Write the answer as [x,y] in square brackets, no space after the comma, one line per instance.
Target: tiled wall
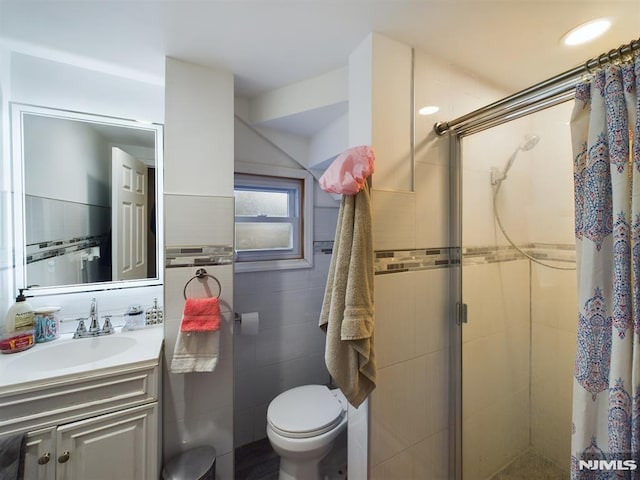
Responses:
[288,350]
[409,433]
[554,292]
[554,324]
[520,340]
[198,200]
[495,366]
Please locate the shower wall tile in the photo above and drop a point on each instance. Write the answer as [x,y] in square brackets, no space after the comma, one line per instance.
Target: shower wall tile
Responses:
[394,225]
[554,324]
[432,311]
[495,364]
[432,204]
[498,328]
[392,428]
[431,394]
[411,399]
[198,220]
[477,210]
[390,76]
[431,90]
[399,466]
[431,457]
[395,318]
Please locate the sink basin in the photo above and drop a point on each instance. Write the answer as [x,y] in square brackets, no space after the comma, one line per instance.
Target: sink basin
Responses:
[79,357]
[68,353]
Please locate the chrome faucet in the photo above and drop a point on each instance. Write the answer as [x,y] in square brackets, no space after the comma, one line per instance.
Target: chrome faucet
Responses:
[94,325]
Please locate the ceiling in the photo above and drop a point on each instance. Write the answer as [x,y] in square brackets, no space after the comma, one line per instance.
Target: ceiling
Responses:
[272,43]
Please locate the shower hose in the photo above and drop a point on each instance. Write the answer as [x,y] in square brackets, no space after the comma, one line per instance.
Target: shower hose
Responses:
[497,215]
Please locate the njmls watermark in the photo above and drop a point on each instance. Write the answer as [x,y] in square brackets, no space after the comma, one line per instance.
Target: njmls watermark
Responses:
[608,465]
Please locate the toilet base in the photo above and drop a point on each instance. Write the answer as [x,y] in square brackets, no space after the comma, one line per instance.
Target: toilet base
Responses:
[308,470]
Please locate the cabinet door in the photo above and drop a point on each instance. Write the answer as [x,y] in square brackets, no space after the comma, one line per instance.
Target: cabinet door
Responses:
[116,446]
[40,457]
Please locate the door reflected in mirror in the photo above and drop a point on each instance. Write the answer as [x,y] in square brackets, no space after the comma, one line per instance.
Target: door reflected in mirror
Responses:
[88,199]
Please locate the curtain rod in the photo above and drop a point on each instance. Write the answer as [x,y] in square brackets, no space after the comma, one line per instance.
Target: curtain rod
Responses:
[553,87]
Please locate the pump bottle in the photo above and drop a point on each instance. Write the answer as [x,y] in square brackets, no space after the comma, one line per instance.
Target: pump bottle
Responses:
[18,332]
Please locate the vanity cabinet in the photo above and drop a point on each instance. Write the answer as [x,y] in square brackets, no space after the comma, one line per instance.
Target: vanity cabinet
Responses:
[119,445]
[98,426]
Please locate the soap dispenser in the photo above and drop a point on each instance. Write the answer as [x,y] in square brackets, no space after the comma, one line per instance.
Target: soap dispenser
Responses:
[18,332]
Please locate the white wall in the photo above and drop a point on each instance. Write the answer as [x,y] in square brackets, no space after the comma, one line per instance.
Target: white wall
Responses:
[199,149]
[67,160]
[83,90]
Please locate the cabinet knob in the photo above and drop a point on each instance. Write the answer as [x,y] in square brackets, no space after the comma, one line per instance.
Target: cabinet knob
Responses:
[44,459]
[64,457]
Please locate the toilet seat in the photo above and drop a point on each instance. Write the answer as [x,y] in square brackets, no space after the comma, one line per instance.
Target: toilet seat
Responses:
[305,412]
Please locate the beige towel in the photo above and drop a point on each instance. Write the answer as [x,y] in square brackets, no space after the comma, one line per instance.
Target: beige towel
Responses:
[195,352]
[347,310]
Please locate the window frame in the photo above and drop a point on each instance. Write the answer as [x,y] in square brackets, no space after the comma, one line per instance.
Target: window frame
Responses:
[275,177]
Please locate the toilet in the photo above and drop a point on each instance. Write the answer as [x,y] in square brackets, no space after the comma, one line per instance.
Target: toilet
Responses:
[302,424]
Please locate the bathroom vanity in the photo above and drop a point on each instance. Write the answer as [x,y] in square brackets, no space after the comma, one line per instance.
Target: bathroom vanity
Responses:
[89,406]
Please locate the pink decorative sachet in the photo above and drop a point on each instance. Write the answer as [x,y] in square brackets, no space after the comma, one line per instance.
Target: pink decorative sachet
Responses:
[348,172]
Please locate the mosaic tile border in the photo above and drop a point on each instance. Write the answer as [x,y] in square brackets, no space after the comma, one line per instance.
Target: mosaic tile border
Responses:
[325,247]
[539,251]
[387,261]
[44,250]
[395,261]
[198,255]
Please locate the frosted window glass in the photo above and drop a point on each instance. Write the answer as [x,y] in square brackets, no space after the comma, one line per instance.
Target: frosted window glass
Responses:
[261,203]
[263,236]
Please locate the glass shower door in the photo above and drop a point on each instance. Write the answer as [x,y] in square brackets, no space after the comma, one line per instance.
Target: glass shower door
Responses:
[518,284]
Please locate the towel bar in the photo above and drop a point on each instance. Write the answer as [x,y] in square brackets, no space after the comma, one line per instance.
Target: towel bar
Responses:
[202,274]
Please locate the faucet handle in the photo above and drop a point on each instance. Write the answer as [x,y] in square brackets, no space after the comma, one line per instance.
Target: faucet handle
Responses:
[81,330]
[107,327]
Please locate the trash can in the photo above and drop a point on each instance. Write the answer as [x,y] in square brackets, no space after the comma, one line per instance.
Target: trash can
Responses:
[195,464]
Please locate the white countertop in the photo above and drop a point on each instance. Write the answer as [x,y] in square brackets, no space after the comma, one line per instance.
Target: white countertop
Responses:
[66,357]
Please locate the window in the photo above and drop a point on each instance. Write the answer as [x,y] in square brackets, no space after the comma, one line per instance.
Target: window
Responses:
[273,209]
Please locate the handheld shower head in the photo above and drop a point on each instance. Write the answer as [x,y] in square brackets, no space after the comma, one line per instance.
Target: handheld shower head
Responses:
[529,142]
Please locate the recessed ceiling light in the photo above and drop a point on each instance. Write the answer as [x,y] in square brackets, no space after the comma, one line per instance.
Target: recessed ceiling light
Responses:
[587,32]
[430,110]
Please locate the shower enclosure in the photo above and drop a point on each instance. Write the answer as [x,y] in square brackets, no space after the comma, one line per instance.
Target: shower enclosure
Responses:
[518,282]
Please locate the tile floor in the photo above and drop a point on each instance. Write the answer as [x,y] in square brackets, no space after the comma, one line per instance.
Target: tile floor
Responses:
[258,461]
[532,466]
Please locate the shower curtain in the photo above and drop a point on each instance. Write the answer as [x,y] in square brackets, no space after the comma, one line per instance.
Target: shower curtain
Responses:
[605,132]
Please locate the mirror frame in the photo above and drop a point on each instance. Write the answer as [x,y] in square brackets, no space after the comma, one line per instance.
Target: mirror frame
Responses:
[18,110]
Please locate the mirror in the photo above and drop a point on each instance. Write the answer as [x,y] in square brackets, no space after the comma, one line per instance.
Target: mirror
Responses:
[88,200]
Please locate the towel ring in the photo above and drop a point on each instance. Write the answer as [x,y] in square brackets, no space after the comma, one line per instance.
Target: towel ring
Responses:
[201,274]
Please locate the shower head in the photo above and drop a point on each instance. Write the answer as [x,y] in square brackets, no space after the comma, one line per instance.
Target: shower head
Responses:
[529,142]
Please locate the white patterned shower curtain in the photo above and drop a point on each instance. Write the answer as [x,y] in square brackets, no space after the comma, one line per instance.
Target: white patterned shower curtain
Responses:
[605,132]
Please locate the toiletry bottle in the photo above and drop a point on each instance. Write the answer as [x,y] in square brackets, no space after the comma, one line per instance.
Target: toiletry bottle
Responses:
[18,331]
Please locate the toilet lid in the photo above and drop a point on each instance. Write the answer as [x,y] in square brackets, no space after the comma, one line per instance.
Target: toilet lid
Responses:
[304,411]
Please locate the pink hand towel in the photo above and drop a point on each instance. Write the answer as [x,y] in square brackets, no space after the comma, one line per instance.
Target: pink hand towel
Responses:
[201,315]
[348,172]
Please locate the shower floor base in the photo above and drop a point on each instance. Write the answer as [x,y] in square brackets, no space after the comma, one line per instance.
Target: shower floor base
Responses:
[531,466]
